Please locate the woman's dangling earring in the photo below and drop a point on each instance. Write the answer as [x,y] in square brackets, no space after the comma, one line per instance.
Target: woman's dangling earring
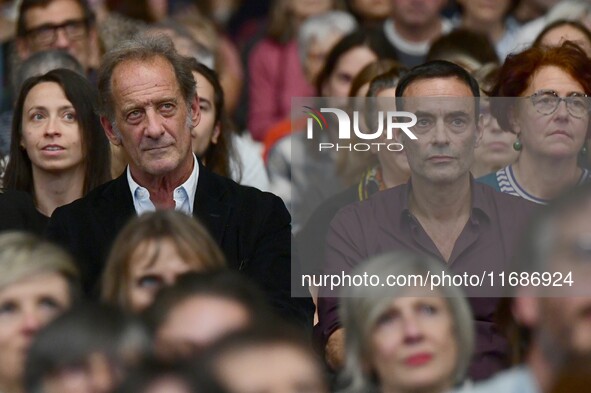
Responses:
[583,151]
[517,146]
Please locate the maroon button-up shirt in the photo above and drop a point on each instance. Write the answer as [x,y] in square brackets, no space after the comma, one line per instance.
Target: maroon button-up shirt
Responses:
[384,223]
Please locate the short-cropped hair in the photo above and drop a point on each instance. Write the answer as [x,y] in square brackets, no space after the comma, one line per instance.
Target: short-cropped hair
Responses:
[438,69]
[434,70]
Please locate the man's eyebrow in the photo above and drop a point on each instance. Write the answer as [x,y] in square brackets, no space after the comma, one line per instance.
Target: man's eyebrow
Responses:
[457,113]
[163,100]
[141,105]
[52,25]
[130,107]
[424,114]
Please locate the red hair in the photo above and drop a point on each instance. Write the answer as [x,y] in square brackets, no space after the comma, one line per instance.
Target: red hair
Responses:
[516,73]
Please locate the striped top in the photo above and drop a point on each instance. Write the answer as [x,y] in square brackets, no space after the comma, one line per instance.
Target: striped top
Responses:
[504,181]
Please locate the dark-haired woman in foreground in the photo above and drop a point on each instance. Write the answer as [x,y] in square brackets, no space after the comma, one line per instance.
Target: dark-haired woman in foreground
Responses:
[58,149]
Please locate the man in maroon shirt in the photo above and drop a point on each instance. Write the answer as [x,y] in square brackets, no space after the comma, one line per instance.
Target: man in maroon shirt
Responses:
[440,212]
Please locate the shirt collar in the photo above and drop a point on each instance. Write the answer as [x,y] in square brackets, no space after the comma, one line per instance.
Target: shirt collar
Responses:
[190,185]
[141,195]
[481,206]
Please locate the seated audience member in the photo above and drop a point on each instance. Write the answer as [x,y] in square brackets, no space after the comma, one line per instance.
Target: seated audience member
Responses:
[350,166]
[58,152]
[465,48]
[554,10]
[203,307]
[565,30]
[214,141]
[390,170]
[151,251]
[157,376]
[404,339]
[550,133]
[274,72]
[495,150]
[493,19]
[441,212]
[228,62]
[251,227]
[555,34]
[144,10]
[370,13]
[66,25]
[556,318]
[184,42]
[411,28]
[298,174]
[316,37]
[38,64]
[38,281]
[268,359]
[88,349]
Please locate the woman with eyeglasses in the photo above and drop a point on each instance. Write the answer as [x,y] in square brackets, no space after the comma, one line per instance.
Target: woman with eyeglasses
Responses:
[549,115]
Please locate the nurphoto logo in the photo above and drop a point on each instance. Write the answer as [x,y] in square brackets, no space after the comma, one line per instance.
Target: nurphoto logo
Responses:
[386,121]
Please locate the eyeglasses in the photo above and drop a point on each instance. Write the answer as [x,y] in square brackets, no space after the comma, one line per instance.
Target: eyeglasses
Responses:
[45,35]
[546,102]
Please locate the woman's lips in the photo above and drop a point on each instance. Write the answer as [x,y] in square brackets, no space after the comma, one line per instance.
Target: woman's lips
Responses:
[497,146]
[561,132]
[418,359]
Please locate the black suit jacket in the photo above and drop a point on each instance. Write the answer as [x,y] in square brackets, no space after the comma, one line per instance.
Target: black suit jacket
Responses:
[252,228]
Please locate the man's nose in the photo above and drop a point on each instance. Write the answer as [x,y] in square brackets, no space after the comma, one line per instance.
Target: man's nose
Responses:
[154,127]
[440,135]
[62,41]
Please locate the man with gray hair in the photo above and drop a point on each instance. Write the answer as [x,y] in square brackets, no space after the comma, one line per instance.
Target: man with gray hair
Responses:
[148,107]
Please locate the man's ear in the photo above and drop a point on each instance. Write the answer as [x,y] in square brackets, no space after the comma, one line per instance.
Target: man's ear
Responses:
[216,133]
[22,48]
[195,112]
[113,136]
